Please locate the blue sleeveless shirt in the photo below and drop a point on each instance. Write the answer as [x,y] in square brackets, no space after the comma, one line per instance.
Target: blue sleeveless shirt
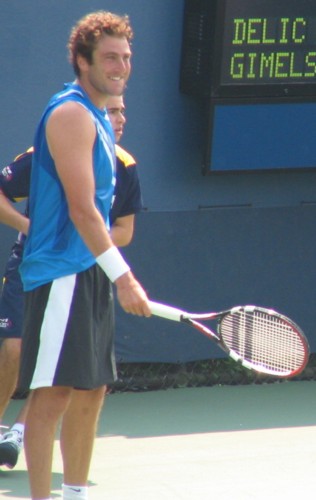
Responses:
[53,247]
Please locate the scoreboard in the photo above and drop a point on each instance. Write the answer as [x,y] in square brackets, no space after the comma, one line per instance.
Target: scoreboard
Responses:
[270,43]
[249,47]
[269,50]
[253,63]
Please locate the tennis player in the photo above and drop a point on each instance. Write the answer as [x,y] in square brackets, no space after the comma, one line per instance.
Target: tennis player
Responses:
[69,248]
[14,186]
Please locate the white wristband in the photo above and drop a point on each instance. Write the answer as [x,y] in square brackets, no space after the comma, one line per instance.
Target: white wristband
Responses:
[112,263]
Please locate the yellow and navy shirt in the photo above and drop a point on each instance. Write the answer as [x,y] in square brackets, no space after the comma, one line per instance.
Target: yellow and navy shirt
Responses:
[15,178]
[127,193]
[15,182]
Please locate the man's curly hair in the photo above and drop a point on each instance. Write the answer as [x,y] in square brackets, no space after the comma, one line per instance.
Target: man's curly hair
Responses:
[89,30]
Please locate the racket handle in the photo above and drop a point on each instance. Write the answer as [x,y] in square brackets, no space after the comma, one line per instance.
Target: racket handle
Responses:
[165,311]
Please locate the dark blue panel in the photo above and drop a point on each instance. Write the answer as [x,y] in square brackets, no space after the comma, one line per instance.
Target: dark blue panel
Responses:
[263,136]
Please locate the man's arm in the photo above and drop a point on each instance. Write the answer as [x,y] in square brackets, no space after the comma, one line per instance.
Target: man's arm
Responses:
[12,217]
[71,135]
[122,230]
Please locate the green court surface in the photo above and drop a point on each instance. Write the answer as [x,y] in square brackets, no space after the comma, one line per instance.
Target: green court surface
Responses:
[223,442]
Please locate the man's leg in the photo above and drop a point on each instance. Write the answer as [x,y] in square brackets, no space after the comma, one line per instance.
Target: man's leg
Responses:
[12,441]
[9,369]
[46,407]
[78,432]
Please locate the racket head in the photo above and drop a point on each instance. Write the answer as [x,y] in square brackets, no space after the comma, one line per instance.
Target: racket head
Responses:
[264,340]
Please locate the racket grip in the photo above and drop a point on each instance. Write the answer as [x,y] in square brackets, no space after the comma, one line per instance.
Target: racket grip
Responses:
[165,311]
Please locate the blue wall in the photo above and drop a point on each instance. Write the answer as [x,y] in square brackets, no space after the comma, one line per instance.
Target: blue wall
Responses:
[203,242]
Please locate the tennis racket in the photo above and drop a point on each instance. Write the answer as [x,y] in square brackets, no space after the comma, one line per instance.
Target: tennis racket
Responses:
[260,339]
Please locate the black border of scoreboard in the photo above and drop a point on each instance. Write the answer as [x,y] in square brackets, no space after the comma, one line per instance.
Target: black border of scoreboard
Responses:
[249,48]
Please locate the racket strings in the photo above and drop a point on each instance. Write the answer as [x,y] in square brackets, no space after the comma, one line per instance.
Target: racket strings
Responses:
[264,340]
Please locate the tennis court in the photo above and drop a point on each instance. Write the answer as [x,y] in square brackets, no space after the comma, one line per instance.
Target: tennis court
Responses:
[223,442]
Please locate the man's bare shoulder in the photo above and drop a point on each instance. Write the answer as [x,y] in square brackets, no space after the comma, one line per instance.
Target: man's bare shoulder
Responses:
[70,122]
[70,110]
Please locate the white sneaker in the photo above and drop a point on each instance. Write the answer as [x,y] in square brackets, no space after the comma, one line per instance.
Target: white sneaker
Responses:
[11,445]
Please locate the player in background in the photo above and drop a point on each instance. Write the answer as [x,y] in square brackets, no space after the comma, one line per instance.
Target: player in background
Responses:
[14,187]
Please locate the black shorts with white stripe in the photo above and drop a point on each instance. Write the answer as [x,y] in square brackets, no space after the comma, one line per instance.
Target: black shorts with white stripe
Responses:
[68,335]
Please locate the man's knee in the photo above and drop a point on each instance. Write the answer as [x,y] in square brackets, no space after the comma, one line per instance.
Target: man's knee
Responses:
[51,401]
[10,350]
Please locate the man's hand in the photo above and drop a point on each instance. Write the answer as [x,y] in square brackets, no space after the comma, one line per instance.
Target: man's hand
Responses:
[131,295]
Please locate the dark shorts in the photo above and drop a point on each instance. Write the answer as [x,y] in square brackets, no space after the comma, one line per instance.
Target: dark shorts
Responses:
[11,302]
[68,334]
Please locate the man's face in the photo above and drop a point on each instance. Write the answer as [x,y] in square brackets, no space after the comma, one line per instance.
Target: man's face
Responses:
[110,68]
[116,111]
